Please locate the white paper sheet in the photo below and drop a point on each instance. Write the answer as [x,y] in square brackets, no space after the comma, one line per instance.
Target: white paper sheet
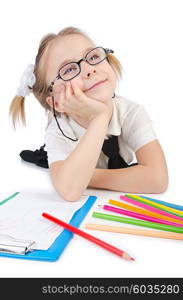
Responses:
[21,216]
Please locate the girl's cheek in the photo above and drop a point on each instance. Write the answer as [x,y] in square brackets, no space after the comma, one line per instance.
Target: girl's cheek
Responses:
[59,86]
[59,93]
[78,82]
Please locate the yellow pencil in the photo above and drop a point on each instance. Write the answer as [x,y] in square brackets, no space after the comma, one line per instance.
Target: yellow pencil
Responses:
[144,211]
[151,233]
[161,206]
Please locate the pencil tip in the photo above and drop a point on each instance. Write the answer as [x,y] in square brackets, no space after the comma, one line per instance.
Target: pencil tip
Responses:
[100,205]
[128,257]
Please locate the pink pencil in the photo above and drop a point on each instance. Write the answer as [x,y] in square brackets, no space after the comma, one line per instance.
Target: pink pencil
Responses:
[150,208]
[138,216]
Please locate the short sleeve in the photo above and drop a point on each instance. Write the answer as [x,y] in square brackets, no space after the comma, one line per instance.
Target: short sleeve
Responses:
[58,147]
[138,128]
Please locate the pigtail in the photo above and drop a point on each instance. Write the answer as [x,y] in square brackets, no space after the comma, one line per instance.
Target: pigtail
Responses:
[33,78]
[115,63]
[17,110]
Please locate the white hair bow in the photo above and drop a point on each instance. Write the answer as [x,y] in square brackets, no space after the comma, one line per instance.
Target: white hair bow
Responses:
[27,81]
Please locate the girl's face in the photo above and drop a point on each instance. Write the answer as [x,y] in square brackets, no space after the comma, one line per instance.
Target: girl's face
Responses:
[73,48]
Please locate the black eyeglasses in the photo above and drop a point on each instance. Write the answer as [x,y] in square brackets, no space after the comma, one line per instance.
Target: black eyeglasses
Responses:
[73,69]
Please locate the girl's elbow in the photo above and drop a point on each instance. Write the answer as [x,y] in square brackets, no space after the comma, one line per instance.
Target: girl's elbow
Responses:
[72,198]
[68,195]
[65,191]
[161,182]
[162,187]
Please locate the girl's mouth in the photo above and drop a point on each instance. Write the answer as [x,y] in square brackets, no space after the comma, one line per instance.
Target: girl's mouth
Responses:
[96,84]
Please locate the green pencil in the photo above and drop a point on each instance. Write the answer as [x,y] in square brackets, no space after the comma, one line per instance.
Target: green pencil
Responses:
[137,222]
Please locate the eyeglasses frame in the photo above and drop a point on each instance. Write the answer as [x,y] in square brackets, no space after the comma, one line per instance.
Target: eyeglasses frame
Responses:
[106,50]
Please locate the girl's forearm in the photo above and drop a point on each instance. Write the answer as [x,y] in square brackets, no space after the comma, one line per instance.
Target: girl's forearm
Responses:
[76,171]
[136,179]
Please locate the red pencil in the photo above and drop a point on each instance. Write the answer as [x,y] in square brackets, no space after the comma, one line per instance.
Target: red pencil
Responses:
[89,237]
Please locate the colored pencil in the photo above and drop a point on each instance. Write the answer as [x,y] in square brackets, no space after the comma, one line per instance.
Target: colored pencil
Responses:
[169,204]
[145,210]
[147,206]
[157,205]
[151,233]
[137,216]
[89,237]
[137,222]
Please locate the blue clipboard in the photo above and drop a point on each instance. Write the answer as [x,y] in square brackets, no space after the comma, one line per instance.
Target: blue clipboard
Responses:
[58,246]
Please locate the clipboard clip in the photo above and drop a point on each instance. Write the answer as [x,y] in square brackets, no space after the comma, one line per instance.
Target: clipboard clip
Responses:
[9,244]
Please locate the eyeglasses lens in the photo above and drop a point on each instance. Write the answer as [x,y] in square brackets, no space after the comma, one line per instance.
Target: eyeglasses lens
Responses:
[71,70]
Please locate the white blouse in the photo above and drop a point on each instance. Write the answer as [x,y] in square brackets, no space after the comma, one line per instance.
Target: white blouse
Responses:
[130,122]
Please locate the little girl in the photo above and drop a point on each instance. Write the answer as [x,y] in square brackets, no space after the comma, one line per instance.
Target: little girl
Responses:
[94,135]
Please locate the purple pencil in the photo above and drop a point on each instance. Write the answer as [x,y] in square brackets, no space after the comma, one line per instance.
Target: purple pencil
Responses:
[138,216]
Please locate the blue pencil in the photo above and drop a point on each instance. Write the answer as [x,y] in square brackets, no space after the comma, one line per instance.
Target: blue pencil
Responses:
[172,205]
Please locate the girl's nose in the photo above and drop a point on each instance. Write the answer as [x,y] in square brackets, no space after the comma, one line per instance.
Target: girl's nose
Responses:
[89,73]
[87,70]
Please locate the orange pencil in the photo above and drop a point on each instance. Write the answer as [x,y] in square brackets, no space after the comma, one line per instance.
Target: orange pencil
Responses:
[144,211]
[150,233]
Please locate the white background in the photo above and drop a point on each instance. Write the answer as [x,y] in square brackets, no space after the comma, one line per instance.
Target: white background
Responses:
[147,38]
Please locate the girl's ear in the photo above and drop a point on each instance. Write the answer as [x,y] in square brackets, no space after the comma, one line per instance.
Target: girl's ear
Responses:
[49,101]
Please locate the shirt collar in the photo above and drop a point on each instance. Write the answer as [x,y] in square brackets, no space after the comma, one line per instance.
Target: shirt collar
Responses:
[114,127]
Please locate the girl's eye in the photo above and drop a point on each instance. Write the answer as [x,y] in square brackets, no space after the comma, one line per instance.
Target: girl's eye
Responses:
[94,57]
[68,70]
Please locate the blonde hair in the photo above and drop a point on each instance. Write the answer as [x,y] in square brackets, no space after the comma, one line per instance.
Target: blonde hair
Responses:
[40,88]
